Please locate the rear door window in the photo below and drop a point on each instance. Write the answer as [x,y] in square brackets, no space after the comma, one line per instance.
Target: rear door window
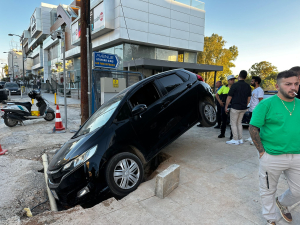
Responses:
[147,95]
[170,82]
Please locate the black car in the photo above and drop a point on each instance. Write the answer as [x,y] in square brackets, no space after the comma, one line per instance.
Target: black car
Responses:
[113,146]
[2,84]
[12,87]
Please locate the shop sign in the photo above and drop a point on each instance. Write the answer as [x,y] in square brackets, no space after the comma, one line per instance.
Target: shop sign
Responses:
[76,31]
[98,17]
[105,60]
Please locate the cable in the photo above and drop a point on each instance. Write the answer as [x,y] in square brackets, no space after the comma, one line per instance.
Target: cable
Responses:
[39,205]
[129,38]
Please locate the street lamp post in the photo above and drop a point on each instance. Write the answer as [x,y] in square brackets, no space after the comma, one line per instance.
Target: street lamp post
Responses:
[12,57]
[22,55]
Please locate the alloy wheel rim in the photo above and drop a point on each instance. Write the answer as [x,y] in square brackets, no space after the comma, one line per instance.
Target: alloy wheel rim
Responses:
[126,173]
[210,113]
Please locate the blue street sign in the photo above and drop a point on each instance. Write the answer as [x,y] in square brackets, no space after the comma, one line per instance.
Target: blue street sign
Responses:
[105,60]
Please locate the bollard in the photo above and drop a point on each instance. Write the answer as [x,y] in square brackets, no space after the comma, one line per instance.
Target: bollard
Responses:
[55,98]
[21,93]
[9,96]
[32,101]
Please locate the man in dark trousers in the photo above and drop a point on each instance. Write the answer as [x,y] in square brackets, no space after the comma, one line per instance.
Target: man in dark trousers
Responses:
[218,86]
[296,69]
[221,97]
[239,96]
[278,143]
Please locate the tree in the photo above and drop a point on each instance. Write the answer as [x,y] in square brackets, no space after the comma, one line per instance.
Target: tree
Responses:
[215,53]
[267,72]
[263,70]
[6,69]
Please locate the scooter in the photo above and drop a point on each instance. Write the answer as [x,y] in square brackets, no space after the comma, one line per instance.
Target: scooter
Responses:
[17,112]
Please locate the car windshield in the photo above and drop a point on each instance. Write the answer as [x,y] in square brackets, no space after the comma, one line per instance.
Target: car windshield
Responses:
[102,115]
[11,85]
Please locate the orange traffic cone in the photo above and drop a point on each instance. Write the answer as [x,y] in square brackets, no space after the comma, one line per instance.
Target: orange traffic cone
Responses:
[2,151]
[58,122]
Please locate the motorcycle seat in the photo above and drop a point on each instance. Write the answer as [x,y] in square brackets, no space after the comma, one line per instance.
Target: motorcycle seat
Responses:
[25,104]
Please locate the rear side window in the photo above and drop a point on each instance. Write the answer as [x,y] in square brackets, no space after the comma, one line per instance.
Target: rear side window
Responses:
[145,95]
[171,82]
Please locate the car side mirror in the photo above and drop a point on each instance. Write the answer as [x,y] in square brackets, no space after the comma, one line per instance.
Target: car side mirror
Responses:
[138,109]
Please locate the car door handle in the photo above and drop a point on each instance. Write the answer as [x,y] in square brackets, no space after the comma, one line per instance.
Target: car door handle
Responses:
[189,85]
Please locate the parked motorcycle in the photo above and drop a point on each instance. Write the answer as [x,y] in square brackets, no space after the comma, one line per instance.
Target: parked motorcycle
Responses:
[16,112]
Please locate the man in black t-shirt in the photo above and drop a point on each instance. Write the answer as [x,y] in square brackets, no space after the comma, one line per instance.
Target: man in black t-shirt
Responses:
[239,96]
[297,70]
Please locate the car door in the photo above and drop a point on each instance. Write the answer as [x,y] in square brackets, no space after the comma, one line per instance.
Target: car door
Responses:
[179,106]
[146,124]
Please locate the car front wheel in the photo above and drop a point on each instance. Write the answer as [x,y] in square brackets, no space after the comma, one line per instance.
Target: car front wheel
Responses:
[124,173]
[208,114]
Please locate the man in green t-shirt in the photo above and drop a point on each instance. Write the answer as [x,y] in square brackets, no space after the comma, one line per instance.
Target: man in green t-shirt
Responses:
[278,145]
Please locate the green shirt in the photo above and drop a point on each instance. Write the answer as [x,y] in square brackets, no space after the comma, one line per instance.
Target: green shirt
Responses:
[223,90]
[279,132]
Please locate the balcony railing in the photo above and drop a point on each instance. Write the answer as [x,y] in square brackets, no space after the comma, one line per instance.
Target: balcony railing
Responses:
[194,3]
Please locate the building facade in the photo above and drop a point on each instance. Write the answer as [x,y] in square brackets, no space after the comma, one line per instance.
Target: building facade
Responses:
[163,31]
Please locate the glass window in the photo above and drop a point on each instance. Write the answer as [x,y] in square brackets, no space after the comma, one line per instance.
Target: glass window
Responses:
[145,95]
[170,82]
[190,57]
[132,51]
[164,54]
[118,50]
[124,113]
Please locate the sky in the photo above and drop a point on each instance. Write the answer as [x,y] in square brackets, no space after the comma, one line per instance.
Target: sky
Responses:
[263,30]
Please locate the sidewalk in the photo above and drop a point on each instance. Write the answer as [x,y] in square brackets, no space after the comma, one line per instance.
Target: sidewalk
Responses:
[218,185]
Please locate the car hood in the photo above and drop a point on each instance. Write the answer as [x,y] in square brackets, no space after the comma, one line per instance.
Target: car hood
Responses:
[12,88]
[71,150]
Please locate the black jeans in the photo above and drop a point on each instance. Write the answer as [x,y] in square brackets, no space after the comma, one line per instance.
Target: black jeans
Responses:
[224,120]
[219,117]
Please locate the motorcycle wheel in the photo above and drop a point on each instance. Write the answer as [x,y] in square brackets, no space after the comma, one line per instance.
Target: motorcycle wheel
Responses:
[49,116]
[10,122]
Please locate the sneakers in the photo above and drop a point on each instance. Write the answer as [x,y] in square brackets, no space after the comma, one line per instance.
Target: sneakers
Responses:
[249,139]
[233,142]
[284,211]
[221,136]
[199,125]
[217,127]
[241,141]
[271,222]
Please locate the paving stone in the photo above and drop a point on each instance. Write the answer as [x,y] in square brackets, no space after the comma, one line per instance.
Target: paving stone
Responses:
[167,181]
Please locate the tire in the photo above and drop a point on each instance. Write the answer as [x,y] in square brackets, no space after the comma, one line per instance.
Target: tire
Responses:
[49,116]
[114,181]
[10,122]
[208,114]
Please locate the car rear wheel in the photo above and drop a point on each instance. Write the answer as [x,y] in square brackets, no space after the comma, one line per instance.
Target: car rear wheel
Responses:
[208,114]
[124,173]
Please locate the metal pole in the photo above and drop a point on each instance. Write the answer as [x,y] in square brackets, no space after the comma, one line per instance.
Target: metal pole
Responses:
[65,77]
[13,67]
[23,64]
[89,71]
[215,82]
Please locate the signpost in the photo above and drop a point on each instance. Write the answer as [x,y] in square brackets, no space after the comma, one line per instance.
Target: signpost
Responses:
[105,60]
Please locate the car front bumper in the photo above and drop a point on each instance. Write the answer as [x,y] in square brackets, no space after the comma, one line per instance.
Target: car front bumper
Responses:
[66,189]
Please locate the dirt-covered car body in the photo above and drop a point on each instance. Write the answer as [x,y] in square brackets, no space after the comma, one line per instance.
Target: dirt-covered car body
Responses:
[126,132]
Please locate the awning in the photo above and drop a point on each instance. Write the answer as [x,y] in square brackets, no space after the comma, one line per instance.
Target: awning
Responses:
[169,65]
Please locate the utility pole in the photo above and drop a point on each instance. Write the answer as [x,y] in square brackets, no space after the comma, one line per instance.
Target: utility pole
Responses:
[84,16]
[65,75]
